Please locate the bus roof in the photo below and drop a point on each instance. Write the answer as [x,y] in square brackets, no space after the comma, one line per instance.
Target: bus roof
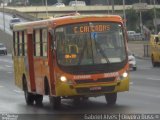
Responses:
[65,20]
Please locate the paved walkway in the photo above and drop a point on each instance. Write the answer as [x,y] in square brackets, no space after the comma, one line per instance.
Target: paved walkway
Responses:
[138,49]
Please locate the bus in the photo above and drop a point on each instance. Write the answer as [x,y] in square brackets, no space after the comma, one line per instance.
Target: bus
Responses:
[155,49]
[71,57]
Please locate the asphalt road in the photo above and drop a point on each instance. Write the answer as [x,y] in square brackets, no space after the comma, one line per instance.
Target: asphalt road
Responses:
[5,20]
[143,97]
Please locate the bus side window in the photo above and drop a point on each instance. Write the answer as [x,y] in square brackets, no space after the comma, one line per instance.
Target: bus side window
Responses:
[37,42]
[15,44]
[18,52]
[44,42]
[20,44]
[25,43]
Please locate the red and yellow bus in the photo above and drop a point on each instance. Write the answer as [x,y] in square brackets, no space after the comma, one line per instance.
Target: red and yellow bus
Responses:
[71,57]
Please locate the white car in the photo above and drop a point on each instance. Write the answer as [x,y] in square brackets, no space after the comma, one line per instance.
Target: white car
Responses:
[77,3]
[132,61]
[132,35]
[3,49]
[14,21]
[59,5]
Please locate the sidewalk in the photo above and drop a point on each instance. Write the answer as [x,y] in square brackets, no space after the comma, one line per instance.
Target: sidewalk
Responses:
[137,48]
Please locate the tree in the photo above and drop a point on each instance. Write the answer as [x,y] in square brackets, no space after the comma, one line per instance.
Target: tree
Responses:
[132,20]
[36,2]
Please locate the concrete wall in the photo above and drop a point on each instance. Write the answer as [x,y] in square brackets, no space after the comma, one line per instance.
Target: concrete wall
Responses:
[7,40]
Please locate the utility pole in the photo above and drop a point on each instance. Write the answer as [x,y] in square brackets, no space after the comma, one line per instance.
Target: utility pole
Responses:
[4,17]
[141,24]
[112,6]
[76,6]
[124,13]
[46,8]
[155,17]
[108,5]
[42,2]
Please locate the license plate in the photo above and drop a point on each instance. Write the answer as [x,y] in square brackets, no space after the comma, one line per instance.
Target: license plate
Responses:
[95,88]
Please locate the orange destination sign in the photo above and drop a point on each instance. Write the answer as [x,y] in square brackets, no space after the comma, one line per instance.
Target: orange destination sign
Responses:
[95,28]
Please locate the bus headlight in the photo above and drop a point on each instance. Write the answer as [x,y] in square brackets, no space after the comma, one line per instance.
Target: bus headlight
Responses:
[63,79]
[124,75]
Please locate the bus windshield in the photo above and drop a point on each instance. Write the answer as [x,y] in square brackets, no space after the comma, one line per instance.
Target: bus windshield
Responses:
[90,43]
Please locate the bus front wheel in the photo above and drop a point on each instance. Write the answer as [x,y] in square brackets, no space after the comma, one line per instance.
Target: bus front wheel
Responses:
[38,99]
[55,102]
[29,97]
[111,98]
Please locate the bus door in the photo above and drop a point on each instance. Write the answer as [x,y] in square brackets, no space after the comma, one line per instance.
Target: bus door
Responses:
[30,52]
[51,60]
[40,59]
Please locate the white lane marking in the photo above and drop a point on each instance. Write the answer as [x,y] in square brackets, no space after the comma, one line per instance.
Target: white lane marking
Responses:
[156,79]
[147,94]
[18,91]
[9,55]
[9,66]
[10,72]
[131,83]
[6,60]
[146,68]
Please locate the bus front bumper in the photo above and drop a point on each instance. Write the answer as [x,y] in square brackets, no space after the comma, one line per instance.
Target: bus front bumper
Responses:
[64,89]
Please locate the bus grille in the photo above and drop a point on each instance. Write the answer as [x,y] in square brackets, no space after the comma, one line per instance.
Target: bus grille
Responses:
[111,79]
[87,90]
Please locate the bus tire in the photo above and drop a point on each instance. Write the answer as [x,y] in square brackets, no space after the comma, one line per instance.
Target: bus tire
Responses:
[46,86]
[29,97]
[55,102]
[38,99]
[85,98]
[77,100]
[111,98]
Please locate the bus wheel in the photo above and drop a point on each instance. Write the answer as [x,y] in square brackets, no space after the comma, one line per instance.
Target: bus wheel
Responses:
[29,97]
[111,98]
[76,100]
[85,98]
[55,102]
[38,99]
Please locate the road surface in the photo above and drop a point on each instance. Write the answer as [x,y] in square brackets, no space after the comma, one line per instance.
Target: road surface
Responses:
[5,20]
[143,96]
